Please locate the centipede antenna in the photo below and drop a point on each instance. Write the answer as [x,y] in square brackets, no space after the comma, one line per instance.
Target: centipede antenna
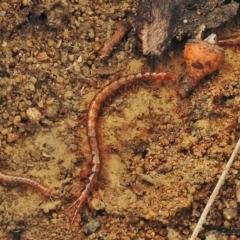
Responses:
[215,192]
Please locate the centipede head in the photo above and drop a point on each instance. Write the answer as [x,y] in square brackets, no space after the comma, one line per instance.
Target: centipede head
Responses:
[202,58]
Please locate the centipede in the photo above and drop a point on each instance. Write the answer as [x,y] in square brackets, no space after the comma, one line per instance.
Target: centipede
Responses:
[228,41]
[122,29]
[92,117]
[14,179]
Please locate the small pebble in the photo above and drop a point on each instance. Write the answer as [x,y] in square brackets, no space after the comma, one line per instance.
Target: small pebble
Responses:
[51,43]
[64,56]
[42,56]
[68,95]
[91,33]
[91,227]
[5,115]
[73,147]
[227,224]
[17,120]
[52,111]
[150,215]
[229,213]
[96,46]
[16,233]
[33,114]
[71,57]
[12,137]
[173,235]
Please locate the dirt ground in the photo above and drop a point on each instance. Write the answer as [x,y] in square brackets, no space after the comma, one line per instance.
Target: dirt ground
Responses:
[162,155]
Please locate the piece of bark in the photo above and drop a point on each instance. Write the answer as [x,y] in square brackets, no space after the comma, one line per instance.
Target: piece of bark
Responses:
[159,21]
[156,23]
[212,15]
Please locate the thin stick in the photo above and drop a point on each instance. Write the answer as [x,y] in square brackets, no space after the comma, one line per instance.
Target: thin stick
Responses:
[215,192]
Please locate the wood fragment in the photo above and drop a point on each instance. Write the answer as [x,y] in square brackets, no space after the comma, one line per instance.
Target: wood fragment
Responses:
[158,22]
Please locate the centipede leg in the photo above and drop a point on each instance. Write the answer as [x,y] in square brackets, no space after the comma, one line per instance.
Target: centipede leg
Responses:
[77,204]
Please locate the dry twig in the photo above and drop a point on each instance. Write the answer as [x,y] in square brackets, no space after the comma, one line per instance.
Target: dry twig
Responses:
[215,192]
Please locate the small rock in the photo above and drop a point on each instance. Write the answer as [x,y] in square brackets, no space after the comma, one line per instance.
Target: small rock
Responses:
[51,43]
[76,66]
[26,2]
[68,95]
[96,46]
[12,137]
[73,147]
[121,56]
[150,215]
[17,120]
[229,213]
[71,57]
[5,115]
[64,56]
[52,111]
[138,188]
[46,122]
[91,227]
[33,114]
[211,237]
[49,206]
[42,56]
[173,235]
[91,33]
[16,233]
[30,86]
[97,204]
[238,190]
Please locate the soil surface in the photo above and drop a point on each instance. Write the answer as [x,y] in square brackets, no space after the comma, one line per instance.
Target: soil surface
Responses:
[162,155]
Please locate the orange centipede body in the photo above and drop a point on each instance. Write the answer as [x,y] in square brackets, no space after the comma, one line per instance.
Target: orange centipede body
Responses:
[228,41]
[122,29]
[92,116]
[13,179]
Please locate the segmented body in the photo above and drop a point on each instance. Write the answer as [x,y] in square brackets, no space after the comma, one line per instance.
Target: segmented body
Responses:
[122,29]
[228,41]
[92,116]
[13,179]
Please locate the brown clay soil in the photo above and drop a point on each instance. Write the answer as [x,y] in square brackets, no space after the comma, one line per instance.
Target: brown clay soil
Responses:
[162,155]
